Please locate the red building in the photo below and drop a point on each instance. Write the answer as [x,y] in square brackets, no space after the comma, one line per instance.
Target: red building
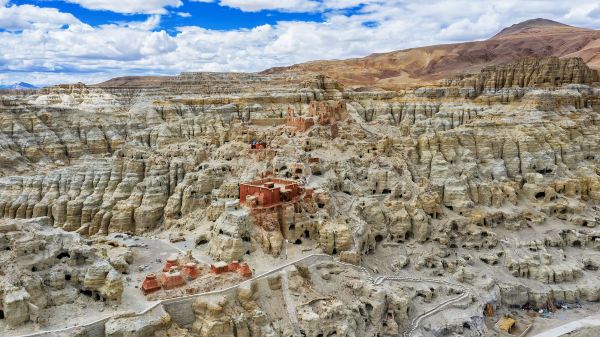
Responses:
[300,123]
[254,145]
[172,279]
[191,270]
[150,284]
[245,270]
[269,192]
[219,268]
[327,112]
[171,262]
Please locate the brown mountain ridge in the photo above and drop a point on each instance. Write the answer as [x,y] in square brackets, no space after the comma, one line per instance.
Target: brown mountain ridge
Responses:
[417,66]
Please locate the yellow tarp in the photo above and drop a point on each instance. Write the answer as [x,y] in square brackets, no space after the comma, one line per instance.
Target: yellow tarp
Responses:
[506,324]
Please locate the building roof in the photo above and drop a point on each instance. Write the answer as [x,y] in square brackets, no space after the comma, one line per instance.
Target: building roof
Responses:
[220,264]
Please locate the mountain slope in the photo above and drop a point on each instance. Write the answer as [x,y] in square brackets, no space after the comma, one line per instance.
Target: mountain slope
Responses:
[532,38]
[18,86]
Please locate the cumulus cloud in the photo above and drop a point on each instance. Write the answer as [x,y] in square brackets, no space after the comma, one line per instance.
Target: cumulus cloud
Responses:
[259,5]
[129,6]
[300,6]
[51,47]
[32,17]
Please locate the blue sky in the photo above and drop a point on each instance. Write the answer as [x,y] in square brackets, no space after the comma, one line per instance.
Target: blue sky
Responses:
[57,41]
[209,15]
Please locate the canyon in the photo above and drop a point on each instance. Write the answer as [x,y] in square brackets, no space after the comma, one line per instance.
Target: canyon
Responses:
[315,200]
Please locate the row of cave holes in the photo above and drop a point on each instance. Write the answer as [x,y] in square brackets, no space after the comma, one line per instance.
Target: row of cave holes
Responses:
[306,234]
[62,255]
[91,294]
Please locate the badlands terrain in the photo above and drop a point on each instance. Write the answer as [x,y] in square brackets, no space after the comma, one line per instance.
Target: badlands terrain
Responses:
[441,191]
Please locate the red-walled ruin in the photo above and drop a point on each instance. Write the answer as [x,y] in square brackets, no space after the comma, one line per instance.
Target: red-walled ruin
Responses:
[269,192]
[299,123]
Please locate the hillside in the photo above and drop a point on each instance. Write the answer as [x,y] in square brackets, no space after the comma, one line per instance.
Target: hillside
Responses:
[397,69]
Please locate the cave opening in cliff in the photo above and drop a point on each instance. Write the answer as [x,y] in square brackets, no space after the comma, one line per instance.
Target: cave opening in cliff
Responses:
[378,237]
[298,242]
[87,293]
[467,326]
[540,195]
[67,277]
[63,255]
[1,314]
[334,251]
[8,248]
[306,233]
[577,243]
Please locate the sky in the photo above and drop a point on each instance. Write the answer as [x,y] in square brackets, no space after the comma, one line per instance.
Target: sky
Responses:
[46,42]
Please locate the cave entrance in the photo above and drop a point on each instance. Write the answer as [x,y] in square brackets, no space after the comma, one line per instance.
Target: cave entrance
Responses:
[540,195]
[63,255]
[298,242]
[1,314]
[87,293]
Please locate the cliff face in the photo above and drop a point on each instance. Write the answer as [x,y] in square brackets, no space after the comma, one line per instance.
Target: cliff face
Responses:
[531,72]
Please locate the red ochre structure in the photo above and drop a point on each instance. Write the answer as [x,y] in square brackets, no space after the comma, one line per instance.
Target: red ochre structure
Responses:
[176,275]
[256,145]
[269,192]
[299,123]
[150,284]
[191,270]
[243,269]
[171,262]
[327,112]
[218,268]
[172,279]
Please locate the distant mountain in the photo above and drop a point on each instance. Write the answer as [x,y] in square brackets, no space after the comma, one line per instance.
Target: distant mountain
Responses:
[417,66]
[18,86]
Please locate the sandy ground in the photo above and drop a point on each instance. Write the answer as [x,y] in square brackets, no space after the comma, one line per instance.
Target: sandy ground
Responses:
[565,321]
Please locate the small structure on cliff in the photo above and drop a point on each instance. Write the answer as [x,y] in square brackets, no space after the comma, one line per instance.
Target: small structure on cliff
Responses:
[269,193]
[299,123]
[328,112]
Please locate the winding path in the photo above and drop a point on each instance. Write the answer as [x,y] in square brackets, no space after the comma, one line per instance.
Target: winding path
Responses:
[289,304]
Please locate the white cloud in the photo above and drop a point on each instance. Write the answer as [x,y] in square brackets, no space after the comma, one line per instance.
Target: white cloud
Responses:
[28,17]
[259,5]
[184,14]
[47,52]
[300,6]
[129,6]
